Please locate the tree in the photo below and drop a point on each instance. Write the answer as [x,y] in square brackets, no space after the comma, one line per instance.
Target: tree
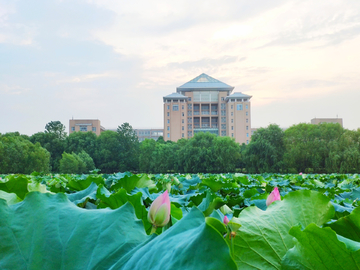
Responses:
[19,155]
[129,155]
[308,146]
[81,141]
[146,156]
[265,151]
[57,128]
[108,152]
[53,144]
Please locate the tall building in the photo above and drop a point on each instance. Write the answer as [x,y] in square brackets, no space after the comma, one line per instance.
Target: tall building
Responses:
[85,125]
[205,104]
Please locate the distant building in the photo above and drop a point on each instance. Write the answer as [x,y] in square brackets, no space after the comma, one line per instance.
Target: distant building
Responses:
[205,104]
[150,133]
[317,121]
[85,125]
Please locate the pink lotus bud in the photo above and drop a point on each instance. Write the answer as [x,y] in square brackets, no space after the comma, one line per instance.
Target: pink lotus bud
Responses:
[159,212]
[300,173]
[274,196]
[226,220]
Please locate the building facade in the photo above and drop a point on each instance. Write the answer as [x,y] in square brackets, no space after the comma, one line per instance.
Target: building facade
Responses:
[85,125]
[205,104]
[149,133]
[317,121]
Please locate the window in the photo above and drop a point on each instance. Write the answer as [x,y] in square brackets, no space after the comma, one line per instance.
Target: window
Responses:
[223,106]
[168,128]
[168,121]
[247,107]
[247,141]
[83,128]
[182,114]
[223,119]
[168,107]
[190,126]
[247,134]
[232,134]
[232,120]
[222,99]
[247,120]
[189,133]
[239,107]
[189,99]
[182,135]
[232,114]
[247,127]
[232,107]
[247,113]
[182,121]
[232,127]
[223,126]
[72,128]
[182,107]
[168,135]
[175,107]
[168,114]
[94,129]
[182,128]
[223,133]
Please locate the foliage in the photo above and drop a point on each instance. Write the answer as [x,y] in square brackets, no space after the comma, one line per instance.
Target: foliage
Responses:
[56,128]
[321,211]
[76,163]
[19,155]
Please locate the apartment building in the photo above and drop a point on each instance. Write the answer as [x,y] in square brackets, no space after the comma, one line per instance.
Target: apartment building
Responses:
[85,125]
[205,104]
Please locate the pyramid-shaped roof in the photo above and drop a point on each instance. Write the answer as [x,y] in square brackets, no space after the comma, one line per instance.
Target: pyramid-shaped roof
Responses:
[175,95]
[238,95]
[204,82]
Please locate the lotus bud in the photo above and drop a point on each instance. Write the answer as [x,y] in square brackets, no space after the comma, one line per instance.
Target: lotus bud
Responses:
[274,196]
[300,173]
[226,220]
[159,212]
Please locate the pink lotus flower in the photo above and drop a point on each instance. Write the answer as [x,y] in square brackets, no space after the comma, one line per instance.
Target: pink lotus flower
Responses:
[226,220]
[274,196]
[159,212]
[300,173]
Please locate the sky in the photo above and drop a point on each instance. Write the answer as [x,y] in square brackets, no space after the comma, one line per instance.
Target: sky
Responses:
[115,60]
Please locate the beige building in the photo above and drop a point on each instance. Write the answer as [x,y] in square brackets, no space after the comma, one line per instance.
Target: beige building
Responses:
[317,121]
[85,125]
[205,104]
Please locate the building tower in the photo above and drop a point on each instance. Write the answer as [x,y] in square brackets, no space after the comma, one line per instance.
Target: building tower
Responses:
[205,104]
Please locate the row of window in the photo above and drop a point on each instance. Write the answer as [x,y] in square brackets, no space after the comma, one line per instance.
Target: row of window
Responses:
[84,128]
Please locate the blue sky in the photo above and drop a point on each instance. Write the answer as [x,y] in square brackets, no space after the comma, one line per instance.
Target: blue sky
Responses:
[115,60]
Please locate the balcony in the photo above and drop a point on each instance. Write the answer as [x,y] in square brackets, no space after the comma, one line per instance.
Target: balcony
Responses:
[196,112]
[205,112]
[214,112]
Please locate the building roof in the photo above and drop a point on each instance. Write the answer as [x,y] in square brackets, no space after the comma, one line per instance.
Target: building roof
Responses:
[204,82]
[175,95]
[238,95]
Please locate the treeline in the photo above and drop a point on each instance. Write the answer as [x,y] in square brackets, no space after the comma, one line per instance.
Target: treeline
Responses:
[324,148]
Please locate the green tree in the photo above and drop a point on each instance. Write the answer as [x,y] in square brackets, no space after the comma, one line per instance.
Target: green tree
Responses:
[265,151]
[108,152]
[57,128]
[19,155]
[129,155]
[146,156]
[309,146]
[69,163]
[81,141]
[87,161]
